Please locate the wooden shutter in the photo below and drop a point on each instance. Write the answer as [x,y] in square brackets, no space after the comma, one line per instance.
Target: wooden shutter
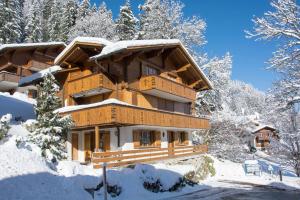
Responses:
[157,139]
[136,135]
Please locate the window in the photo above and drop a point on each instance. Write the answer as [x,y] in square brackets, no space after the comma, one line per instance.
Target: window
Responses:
[147,138]
[164,104]
[147,70]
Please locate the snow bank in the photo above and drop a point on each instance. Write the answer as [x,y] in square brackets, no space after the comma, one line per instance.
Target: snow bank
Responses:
[25,175]
[39,75]
[18,104]
[79,107]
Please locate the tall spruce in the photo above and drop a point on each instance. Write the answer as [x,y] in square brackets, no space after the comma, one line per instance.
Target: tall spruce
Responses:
[68,20]
[126,24]
[10,21]
[84,9]
[33,28]
[51,132]
[54,21]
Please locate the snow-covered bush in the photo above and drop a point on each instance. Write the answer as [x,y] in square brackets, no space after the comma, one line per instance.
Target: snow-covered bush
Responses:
[51,128]
[30,125]
[4,125]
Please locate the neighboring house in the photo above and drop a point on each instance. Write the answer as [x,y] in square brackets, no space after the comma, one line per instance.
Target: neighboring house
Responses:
[21,60]
[128,95]
[261,136]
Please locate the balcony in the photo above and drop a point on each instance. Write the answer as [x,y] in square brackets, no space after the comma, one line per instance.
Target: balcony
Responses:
[125,115]
[167,89]
[89,85]
[8,81]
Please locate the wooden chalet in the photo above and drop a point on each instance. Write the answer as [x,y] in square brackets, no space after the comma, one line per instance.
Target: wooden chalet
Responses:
[262,136]
[21,60]
[131,101]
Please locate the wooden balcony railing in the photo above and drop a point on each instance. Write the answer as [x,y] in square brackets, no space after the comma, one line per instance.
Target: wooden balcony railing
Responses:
[160,86]
[9,77]
[123,158]
[112,114]
[89,85]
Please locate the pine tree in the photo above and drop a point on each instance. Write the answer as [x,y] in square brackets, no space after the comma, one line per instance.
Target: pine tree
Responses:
[33,28]
[84,9]
[98,24]
[52,128]
[163,19]
[68,18]
[55,21]
[10,21]
[126,24]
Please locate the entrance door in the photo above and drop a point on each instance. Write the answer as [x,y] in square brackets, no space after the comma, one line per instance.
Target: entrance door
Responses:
[105,140]
[171,138]
[74,146]
[89,145]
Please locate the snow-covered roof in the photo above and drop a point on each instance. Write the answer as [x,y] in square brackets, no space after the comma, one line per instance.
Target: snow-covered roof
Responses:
[128,44]
[36,76]
[257,128]
[24,45]
[77,40]
[79,107]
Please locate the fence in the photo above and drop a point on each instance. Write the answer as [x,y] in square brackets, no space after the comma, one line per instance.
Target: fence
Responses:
[127,157]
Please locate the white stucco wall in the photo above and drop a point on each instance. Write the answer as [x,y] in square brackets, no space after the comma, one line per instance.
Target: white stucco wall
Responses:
[164,139]
[69,146]
[81,147]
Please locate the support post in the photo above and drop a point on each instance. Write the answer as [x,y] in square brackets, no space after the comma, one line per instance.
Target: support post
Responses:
[97,138]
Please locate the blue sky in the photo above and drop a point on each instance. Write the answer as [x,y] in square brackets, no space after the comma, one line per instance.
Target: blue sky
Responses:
[226,21]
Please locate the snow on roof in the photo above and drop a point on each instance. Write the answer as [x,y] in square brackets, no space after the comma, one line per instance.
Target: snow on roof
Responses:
[39,74]
[23,45]
[127,44]
[251,162]
[79,107]
[257,128]
[92,40]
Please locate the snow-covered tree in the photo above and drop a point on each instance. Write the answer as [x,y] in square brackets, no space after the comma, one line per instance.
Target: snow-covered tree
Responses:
[33,28]
[55,21]
[4,125]
[98,24]
[10,21]
[282,25]
[52,128]
[84,9]
[163,19]
[68,18]
[126,24]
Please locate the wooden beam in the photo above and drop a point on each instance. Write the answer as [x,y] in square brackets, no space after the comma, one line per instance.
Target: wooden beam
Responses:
[195,83]
[97,138]
[154,53]
[184,68]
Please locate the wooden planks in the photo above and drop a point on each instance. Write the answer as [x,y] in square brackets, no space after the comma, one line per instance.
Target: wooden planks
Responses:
[168,86]
[89,82]
[122,158]
[131,115]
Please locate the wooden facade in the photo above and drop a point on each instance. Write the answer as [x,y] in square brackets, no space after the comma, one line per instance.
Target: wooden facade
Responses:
[264,136]
[21,60]
[142,96]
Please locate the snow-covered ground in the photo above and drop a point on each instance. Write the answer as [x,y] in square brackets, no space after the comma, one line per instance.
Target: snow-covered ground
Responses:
[25,175]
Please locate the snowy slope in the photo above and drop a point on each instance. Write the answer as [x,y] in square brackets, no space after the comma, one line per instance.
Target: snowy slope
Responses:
[18,104]
[25,175]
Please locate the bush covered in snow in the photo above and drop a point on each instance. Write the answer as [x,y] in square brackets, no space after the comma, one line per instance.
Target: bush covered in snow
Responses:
[51,128]
[30,125]
[4,125]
